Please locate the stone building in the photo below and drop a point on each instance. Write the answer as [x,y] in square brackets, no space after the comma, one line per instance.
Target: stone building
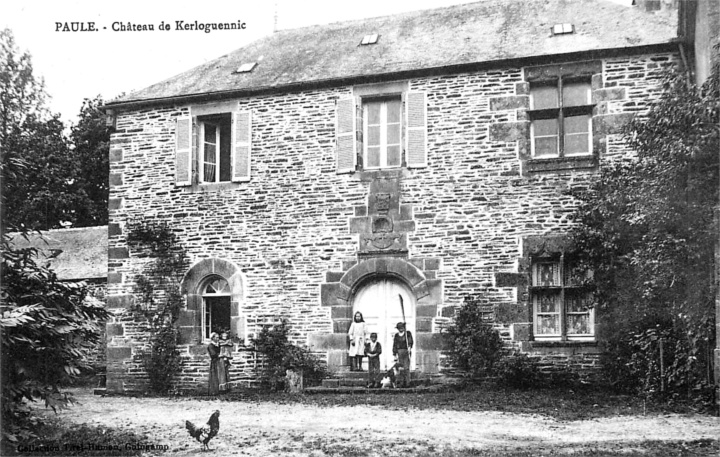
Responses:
[399,166]
[76,255]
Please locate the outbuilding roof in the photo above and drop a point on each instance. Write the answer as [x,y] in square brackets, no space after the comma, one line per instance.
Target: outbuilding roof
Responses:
[487,31]
[74,254]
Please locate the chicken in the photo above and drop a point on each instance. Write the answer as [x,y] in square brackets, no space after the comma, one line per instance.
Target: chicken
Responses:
[206,433]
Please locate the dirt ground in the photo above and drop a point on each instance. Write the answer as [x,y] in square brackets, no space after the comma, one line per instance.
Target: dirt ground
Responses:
[265,428]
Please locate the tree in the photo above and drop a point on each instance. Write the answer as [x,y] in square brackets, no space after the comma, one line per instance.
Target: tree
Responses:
[90,142]
[62,180]
[21,95]
[46,325]
[646,229]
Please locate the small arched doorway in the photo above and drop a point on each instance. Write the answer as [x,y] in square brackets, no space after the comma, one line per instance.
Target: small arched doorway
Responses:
[216,316]
[379,302]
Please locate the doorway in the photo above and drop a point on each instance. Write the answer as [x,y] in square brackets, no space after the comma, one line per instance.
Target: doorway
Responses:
[379,302]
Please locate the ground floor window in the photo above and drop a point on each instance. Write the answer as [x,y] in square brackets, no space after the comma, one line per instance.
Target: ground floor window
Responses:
[560,300]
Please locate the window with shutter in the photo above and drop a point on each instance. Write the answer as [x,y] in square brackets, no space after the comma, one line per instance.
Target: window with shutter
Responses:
[213,146]
[384,126]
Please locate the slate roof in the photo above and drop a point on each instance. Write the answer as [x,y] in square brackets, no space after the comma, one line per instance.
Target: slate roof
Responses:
[486,31]
[74,254]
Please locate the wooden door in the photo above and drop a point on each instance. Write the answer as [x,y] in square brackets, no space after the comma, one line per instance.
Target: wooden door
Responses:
[379,303]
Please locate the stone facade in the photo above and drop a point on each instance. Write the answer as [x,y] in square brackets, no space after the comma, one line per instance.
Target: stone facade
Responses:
[299,240]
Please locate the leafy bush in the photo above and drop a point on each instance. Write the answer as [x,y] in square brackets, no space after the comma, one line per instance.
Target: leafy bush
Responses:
[517,370]
[47,329]
[279,355]
[475,345]
[646,229]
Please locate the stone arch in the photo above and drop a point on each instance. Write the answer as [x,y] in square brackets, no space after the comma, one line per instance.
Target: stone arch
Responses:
[195,278]
[393,267]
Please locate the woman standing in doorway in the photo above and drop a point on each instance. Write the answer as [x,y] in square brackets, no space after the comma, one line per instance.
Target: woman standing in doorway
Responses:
[357,334]
[218,378]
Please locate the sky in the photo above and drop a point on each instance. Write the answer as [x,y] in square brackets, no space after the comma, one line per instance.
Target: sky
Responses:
[78,65]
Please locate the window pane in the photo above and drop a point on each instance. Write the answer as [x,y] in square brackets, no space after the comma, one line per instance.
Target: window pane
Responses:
[577,124]
[546,274]
[373,110]
[393,110]
[393,134]
[545,127]
[210,133]
[544,97]
[548,324]
[576,302]
[209,172]
[225,156]
[393,156]
[575,94]
[373,157]
[547,303]
[578,324]
[577,144]
[546,147]
[373,138]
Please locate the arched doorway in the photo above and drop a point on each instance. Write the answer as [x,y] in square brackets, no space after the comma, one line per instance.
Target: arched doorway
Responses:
[216,315]
[379,302]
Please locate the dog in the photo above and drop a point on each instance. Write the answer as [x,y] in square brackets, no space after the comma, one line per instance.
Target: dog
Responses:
[388,381]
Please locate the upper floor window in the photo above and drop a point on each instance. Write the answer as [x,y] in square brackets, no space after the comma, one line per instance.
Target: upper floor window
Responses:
[213,143]
[381,126]
[561,305]
[215,148]
[382,146]
[560,115]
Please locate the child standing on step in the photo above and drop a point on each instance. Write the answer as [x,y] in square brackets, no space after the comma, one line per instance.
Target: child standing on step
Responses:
[373,349]
[356,334]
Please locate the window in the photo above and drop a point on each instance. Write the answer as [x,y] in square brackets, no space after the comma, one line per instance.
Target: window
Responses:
[216,307]
[381,126]
[561,118]
[561,306]
[213,144]
[382,148]
[215,148]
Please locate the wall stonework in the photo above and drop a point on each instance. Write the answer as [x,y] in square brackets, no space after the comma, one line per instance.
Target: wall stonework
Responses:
[294,229]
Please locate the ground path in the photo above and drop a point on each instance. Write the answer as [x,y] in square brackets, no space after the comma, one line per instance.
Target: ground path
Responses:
[265,428]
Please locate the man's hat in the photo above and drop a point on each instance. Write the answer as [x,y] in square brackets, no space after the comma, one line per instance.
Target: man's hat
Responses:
[400,324]
[373,334]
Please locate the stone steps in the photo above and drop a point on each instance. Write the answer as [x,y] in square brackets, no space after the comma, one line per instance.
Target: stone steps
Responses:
[360,379]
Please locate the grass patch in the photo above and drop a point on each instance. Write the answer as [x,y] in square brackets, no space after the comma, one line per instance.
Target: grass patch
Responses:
[55,438]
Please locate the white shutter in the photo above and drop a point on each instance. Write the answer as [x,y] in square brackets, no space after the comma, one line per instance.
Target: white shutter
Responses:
[345,135]
[183,151]
[416,137]
[242,145]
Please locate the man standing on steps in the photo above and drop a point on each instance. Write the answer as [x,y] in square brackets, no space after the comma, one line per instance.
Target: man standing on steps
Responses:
[402,347]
